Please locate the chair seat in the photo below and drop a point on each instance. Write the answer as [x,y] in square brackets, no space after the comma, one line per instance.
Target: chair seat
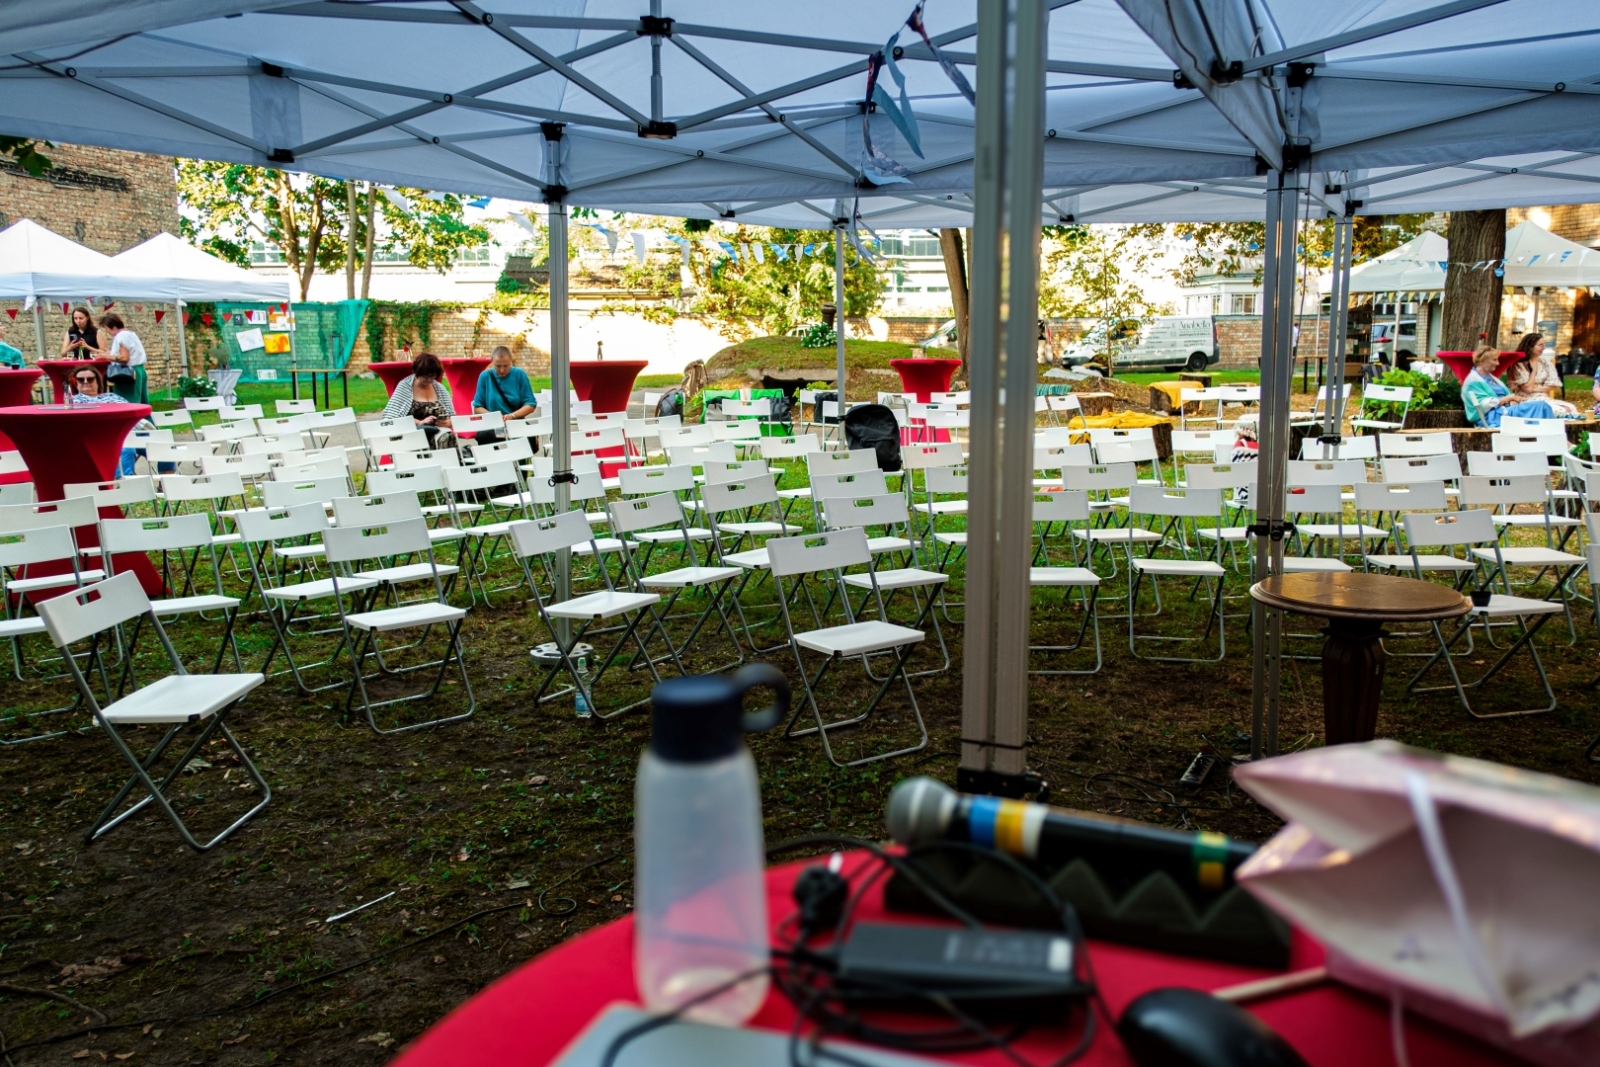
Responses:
[956,538]
[299,551]
[1427,562]
[317,589]
[21,627]
[1314,565]
[431,510]
[604,544]
[689,577]
[802,493]
[1119,534]
[750,559]
[1376,424]
[1530,557]
[1535,520]
[1186,568]
[54,581]
[858,638]
[1229,534]
[602,605]
[407,572]
[488,529]
[758,529]
[886,543]
[942,507]
[672,537]
[188,605]
[227,539]
[1333,529]
[1505,606]
[897,578]
[181,698]
[428,613]
[1077,576]
[439,534]
[511,500]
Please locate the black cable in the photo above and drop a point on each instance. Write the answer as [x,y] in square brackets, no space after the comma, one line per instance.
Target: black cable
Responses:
[655,1022]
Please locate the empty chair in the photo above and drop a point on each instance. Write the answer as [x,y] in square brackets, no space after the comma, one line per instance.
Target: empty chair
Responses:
[1507,464]
[1415,444]
[754,502]
[23,548]
[1324,396]
[484,536]
[1377,499]
[685,436]
[1442,467]
[353,543]
[175,535]
[1378,404]
[178,700]
[180,419]
[1064,409]
[1364,448]
[240,412]
[1319,501]
[1171,507]
[16,493]
[204,403]
[1069,509]
[295,407]
[741,471]
[1106,479]
[78,514]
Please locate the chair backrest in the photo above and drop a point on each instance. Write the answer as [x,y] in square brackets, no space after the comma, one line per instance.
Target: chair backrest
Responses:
[683,436]
[735,472]
[172,419]
[178,487]
[279,524]
[227,431]
[294,407]
[17,493]
[204,403]
[1054,457]
[415,461]
[376,510]
[134,489]
[1065,506]
[385,427]
[1326,471]
[1247,394]
[276,444]
[313,491]
[322,420]
[1541,442]
[1201,441]
[428,479]
[1221,475]
[842,512]
[600,420]
[1433,529]
[246,465]
[283,424]
[1107,476]
[1064,402]
[19,548]
[516,449]
[236,413]
[1392,394]
[1126,450]
[538,537]
[348,543]
[850,483]
[486,476]
[737,430]
[1318,498]
[1389,496]
[162,533]
[1438,467]
[1132,433]
[926,456]
[1056,436]
[1506,464]
[644,513]
[521,429]
[722,497]
[186,452]
[1348,448]
[1174,503]
[1523,422]
[696,455]
[74,511]
[327,468]
[843,462]
[93,609]
[810,553]
[1415,444]
[138,438]
[638,481]
[477,423]
[946,480]
[1503,491]
[406,441]
[790,447]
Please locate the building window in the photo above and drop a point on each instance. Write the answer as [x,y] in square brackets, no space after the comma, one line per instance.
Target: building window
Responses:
[476,257]
[1244,304]
[265,255]
[1216,303]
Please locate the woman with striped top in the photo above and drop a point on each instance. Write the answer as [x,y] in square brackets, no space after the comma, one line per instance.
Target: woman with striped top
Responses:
[424,397]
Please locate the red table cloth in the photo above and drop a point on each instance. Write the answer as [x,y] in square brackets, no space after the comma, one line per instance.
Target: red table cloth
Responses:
[528,1016]
[61,370]
[924,377]
[16,390]
[461,375]
[1461,363]
[390,373]
[607,383]
[67,445]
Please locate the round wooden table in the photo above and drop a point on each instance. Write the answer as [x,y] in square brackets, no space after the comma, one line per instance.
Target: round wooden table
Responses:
[1356,606]
[606,383]
[62,370]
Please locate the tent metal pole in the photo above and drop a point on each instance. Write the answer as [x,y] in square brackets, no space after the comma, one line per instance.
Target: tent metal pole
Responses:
[1338,316]
[38,329]
[838,320]
[1277,322]
[183,337]
[560,358]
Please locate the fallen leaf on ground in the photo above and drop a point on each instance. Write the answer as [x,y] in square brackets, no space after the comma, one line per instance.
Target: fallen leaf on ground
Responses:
[102,967]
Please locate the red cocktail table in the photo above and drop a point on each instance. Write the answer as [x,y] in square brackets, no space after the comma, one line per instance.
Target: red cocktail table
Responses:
[1461,363]
[16,390]
[606,383]
[67,445]
[527,1017]
[390,373]
[60,371]
[924,377]
[461,375]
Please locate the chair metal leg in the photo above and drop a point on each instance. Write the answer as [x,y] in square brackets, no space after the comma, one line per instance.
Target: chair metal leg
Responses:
[1091,617]
[822,728]
[1460,687]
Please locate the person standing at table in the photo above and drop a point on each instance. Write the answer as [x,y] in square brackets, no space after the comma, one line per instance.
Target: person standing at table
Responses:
[82,340]
[126,351]
[505,388]
[1535,377]
[423,397]
[1487,400]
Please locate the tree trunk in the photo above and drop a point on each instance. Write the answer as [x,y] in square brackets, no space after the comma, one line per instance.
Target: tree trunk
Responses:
[366,251]
[955,269]
[1472,292]
[350,241]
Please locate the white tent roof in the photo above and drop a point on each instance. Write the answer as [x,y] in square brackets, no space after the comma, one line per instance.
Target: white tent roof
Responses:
[754,102]
[1534,257]
[189,274]
[36,262]
[1417,265]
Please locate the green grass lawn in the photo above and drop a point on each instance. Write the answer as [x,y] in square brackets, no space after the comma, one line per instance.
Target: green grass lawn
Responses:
[366,394]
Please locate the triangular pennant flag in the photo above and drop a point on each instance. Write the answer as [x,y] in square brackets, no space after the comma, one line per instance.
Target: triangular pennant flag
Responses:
[186,318]
[12,312]
[110,304]
[207,319]
[160,314]
[398,200]
[284,308]
[526,223]
[227,316]
[638,246]
[781,252]
[760,250]
[138,307]
[66,308]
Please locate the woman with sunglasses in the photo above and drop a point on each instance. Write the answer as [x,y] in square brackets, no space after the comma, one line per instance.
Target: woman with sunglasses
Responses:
[89,388]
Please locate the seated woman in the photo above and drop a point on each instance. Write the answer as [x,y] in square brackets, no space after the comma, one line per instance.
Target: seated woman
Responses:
[423,396]
[89,388]
[1535,377]
[1487,400]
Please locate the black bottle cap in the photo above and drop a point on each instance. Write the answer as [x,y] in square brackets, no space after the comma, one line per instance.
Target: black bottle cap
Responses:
[699,718]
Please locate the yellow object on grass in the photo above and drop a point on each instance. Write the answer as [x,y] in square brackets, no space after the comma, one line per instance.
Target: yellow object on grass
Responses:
[1117,420]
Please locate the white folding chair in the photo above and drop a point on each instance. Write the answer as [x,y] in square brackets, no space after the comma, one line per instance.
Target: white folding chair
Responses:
[79,514]
[1377,499]
[1387,395]
[1067,508]
[204,403]
[180,699]
[685,436]
[1172,507]
[354,543]
[23,548]
[240,412]
[1501,495]
[485,536]
[486,422]
[1474,529]
[181,419]
[295,407]
[743,470]
[1064,408]
[831,553]
[175,535]
[16,493]
[1437,443]
[1326,502]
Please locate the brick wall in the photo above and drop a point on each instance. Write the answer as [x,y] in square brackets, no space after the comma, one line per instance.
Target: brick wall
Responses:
[109,201]
[1239,338]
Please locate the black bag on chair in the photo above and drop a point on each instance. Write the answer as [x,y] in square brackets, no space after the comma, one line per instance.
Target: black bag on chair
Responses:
[873,426]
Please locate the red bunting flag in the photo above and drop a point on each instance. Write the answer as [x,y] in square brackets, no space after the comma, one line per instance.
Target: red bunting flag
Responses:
[12,312]
[284,308]
[207,319]
[110,304]
[66,308]
[138,307]
[186,318]
[227,316]
[159,316]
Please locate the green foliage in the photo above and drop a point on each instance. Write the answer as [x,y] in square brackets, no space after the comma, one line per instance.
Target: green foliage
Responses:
[784,353]
[1446,391]
[398,323]
[1232,247]
[196,387]
[696,225]
[507,284]
[819,335]
[1421,396]
[24,151]
[1585,449]
[1098,272]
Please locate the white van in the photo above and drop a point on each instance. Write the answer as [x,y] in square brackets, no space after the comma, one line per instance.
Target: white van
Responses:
[1170,342]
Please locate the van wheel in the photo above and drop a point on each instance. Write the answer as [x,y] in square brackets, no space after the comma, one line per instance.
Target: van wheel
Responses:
[1197,363]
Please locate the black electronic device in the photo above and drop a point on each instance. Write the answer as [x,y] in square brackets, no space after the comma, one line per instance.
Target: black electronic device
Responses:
[1188,1028]
[1199,769]
[1006,972]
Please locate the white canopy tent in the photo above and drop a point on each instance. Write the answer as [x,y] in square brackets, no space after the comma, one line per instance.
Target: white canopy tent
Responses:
[188,274]
[621,102]
[1535,258]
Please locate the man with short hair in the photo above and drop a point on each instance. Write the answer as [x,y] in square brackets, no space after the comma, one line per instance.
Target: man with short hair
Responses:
[505,388]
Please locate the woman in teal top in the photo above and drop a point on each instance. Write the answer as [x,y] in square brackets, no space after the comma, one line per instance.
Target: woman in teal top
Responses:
[1486,398]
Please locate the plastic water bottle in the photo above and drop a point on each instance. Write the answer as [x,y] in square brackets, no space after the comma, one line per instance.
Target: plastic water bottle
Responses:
[580,701]
[700,903]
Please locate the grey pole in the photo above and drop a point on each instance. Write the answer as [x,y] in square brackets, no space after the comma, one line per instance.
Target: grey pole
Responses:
[1338,321]
[183,338]
[1008,145]
[838,319]
[1277,371]
[560,358]
[38,329]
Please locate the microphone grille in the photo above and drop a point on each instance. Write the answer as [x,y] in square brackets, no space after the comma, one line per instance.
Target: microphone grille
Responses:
[919,810]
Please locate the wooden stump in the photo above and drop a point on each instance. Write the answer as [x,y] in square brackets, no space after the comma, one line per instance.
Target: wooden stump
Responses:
[1097,403]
